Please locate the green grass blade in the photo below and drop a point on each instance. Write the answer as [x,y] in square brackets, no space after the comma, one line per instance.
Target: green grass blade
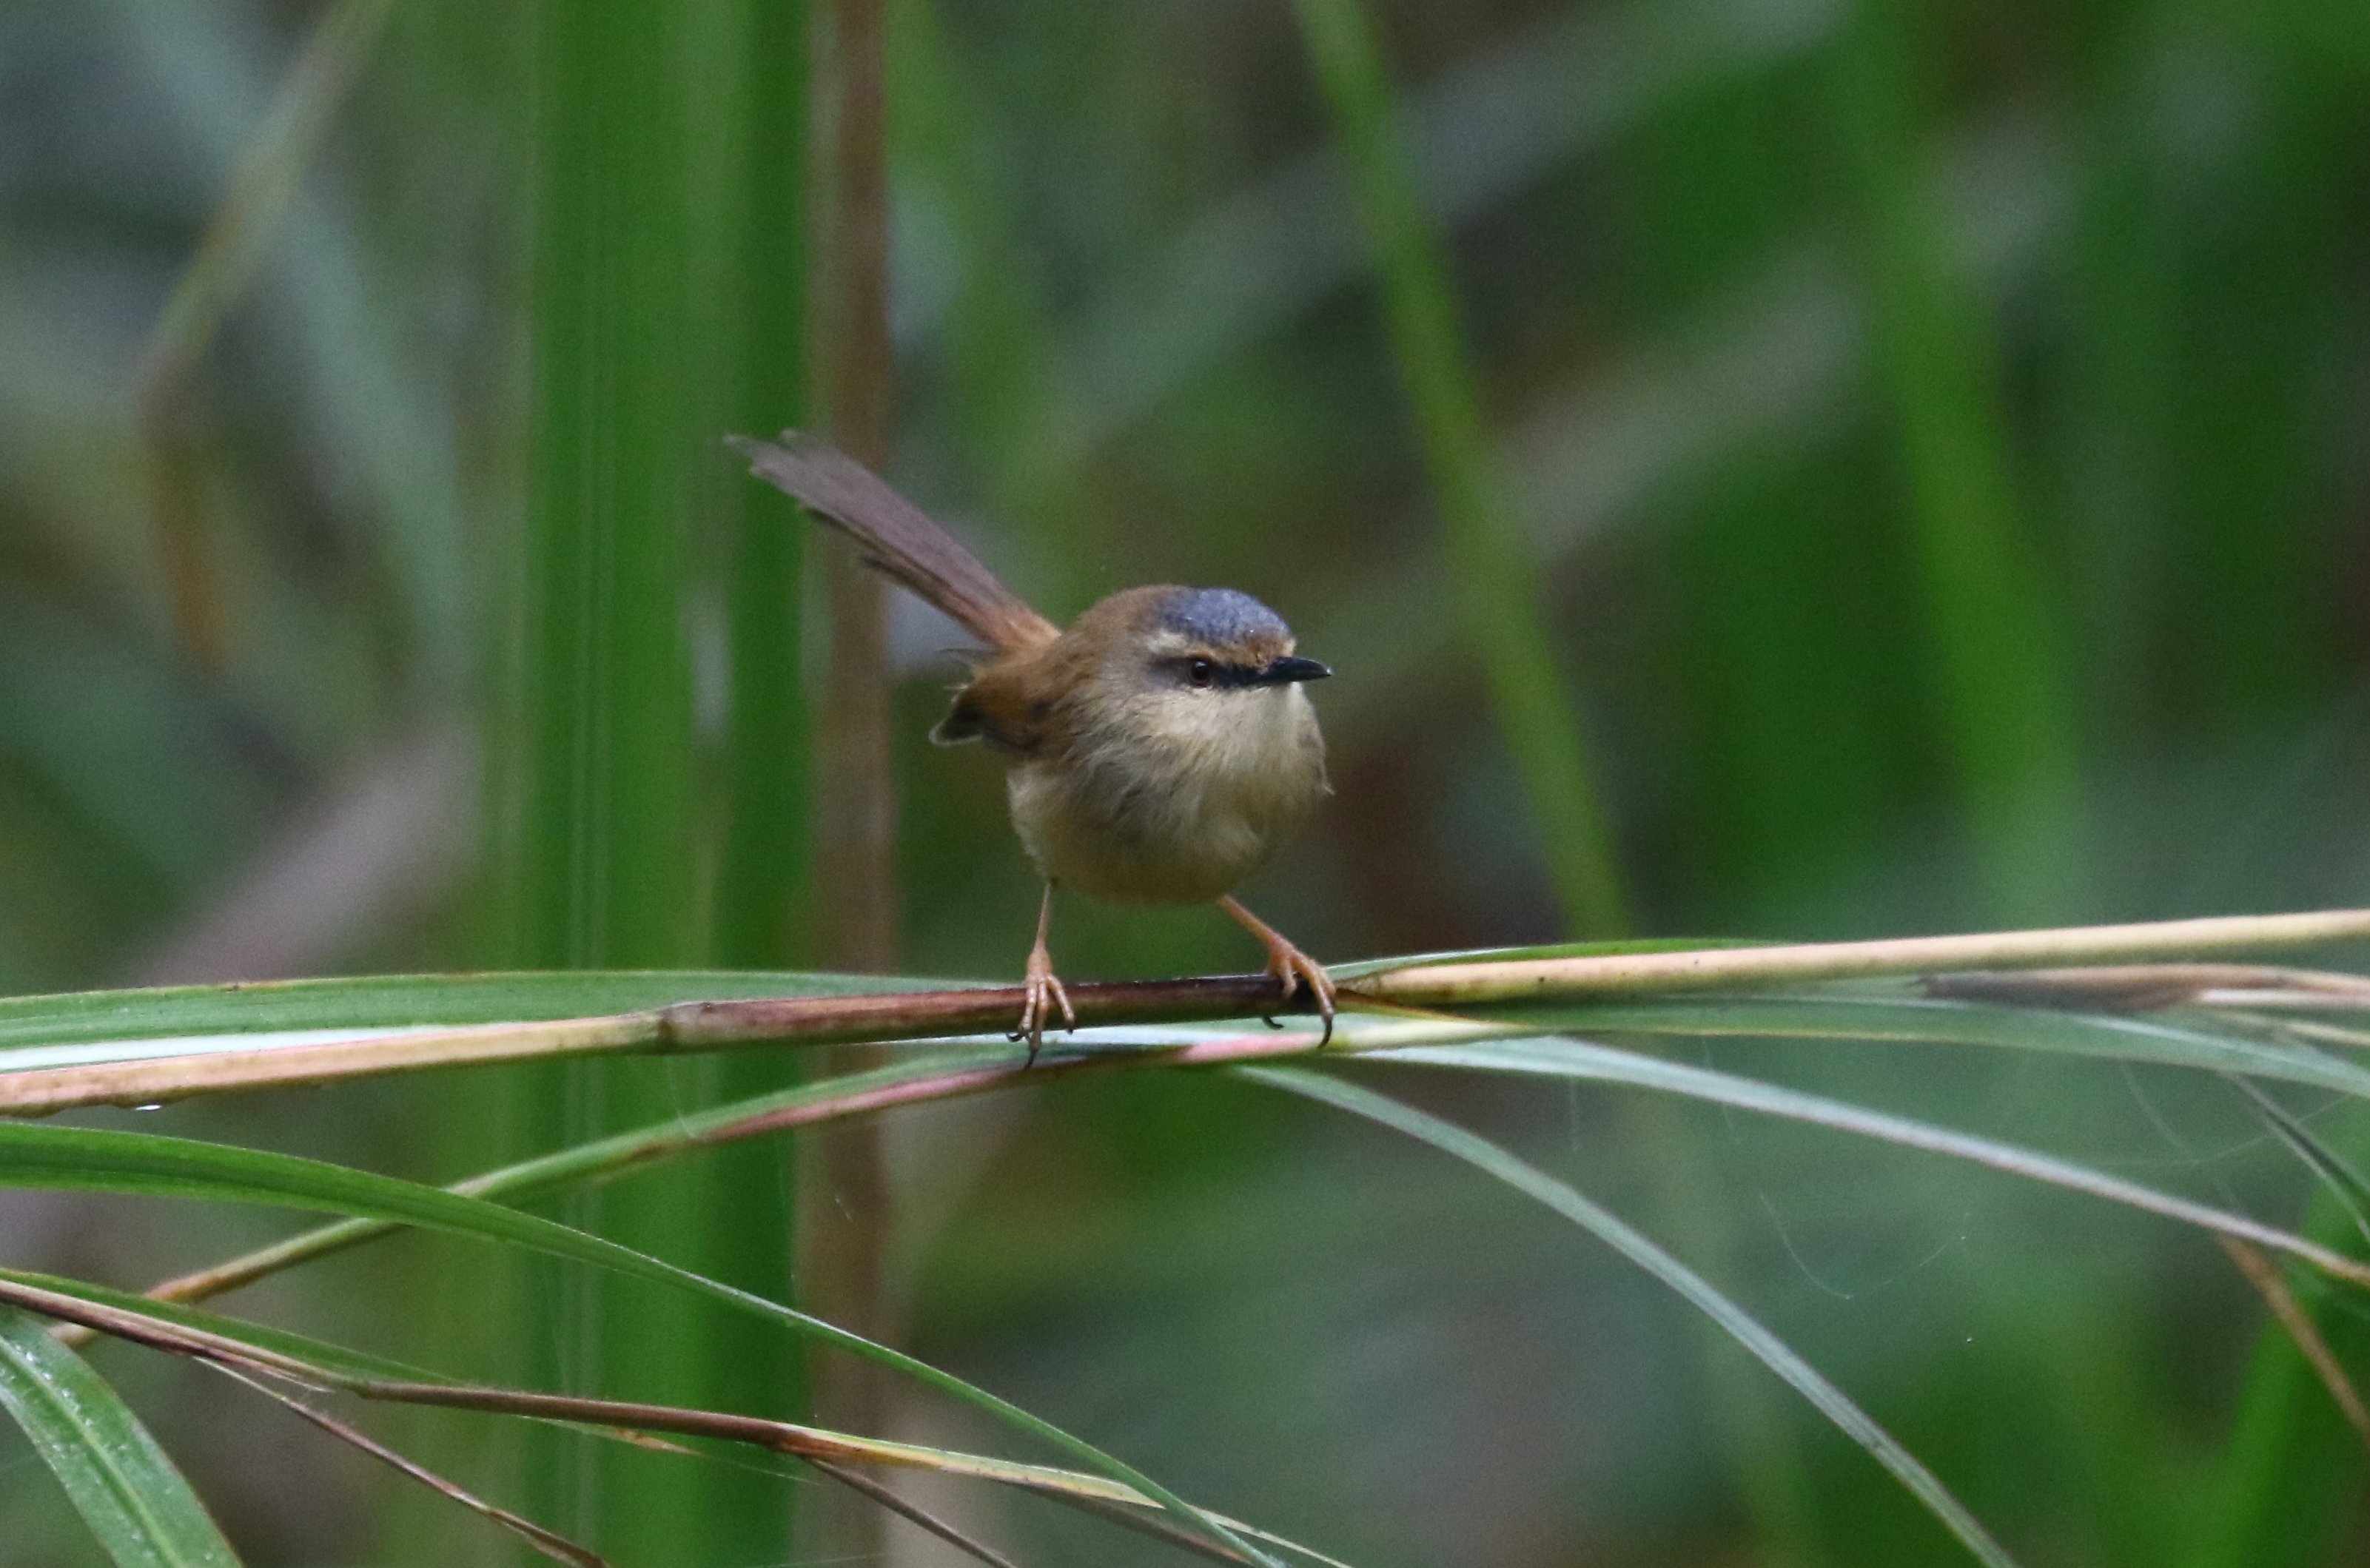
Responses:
[637,1150]
[862,1093]
[2339,1179]
[645,218]
[1904,1020]
[130,1494]
[2113,1038]
[89,1160]
[1602,1064]
[601,748]
[1772,1351]
[369,1001]
[758,140]
[585,1163]
[1494,578]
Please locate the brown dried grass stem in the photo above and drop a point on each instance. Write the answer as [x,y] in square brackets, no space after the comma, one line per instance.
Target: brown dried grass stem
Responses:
[915,1016]
[2265,1276]
[1630,974]
[626,1419]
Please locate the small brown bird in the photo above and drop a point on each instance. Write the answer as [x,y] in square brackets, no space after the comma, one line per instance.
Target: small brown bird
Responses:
[1161,748]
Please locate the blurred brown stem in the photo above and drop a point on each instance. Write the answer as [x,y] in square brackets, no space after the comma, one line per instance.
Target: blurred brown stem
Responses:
[550,1543]
[866,1486]
[855,801]
[2264,1276]
[843,1224]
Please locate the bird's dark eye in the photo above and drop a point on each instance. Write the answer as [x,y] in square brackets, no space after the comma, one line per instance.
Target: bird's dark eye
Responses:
[1200,672]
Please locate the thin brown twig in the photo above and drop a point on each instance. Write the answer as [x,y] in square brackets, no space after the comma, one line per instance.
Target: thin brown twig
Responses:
[157,1334]
[2265,1276]
[845,1218]
[809,1444]
[800,1442]
[1105,1498]
[913,1513]
[2151,987]
[1157,1526]
[2272,1000]
[2300,1028]
[625,1420]
[550,1543]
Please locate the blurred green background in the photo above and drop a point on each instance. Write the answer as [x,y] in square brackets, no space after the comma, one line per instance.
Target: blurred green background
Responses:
[1934,440]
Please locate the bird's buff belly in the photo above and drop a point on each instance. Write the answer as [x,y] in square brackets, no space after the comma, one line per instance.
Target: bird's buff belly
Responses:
[1173,846]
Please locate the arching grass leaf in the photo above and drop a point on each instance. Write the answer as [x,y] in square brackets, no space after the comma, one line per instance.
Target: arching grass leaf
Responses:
[91,1160]
[1567,1058]
[257,1349]
[1918,1020]
[1772,1351]
[586,1164]
[2336,1174]
[135,1501]
[387,1001]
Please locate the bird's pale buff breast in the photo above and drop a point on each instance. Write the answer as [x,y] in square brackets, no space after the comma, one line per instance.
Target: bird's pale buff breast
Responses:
[1181,796]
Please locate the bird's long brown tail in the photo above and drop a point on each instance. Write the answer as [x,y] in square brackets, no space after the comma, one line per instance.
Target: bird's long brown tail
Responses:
[897,539]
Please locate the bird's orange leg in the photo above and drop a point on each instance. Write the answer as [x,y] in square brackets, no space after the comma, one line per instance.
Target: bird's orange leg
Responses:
[1287,963]
[1045,992]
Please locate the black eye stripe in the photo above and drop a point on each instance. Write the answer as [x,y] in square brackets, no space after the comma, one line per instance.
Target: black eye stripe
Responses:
[1221,674]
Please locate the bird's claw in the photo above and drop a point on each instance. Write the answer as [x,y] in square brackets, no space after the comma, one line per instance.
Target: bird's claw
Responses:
[1043,993]
[1294,969]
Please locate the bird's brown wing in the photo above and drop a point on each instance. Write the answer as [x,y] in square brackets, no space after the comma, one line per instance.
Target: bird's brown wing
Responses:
[1010,707]
[898,540]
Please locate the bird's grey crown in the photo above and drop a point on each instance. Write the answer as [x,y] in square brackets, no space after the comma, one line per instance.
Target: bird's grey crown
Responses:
[1222,617]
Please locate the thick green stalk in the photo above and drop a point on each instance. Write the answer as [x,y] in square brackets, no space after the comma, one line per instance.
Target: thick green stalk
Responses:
[1486,549]
[757,140]
[762,880]
[662,189]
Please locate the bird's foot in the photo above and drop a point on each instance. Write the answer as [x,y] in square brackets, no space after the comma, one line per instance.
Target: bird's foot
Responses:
[1044,993]
[1295,969]
[1288,964]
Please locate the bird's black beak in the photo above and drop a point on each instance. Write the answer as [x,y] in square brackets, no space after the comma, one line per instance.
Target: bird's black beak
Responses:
[1291,668]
